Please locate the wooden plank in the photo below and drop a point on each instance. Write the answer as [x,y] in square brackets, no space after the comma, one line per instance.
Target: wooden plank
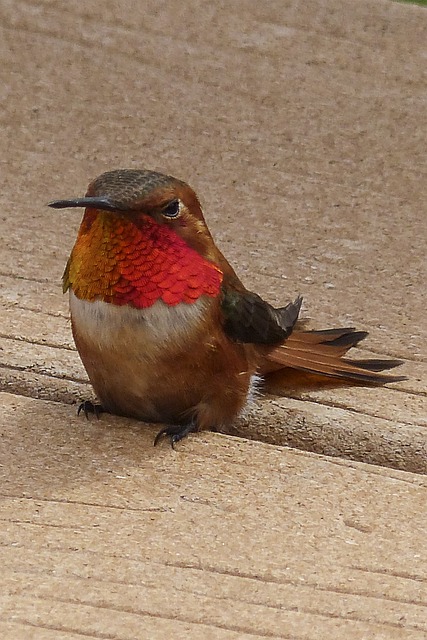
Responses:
[103,534]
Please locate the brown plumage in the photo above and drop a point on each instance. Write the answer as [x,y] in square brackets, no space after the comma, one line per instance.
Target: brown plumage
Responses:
[165,328]
[322,352]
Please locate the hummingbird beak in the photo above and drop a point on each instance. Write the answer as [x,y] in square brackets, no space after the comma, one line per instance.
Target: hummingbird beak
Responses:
[91,202]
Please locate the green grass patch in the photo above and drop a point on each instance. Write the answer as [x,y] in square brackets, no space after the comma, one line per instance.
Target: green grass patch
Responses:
[422,3]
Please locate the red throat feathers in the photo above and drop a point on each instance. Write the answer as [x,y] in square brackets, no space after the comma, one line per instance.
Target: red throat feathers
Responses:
[136,262]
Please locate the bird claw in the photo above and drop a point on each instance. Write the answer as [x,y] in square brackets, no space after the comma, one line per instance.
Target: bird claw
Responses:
[89,408]
[176,432]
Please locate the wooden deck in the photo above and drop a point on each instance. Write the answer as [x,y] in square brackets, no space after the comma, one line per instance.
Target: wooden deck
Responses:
[299,124]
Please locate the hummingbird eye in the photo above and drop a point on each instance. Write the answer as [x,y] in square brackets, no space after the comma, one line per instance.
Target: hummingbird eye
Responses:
[172,209]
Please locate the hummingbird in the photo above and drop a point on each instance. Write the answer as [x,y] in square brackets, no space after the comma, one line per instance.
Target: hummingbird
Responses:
[164,327]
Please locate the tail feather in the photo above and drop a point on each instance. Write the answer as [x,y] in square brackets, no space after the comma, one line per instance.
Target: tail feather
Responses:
[336,342]
[374,364]
[321,352]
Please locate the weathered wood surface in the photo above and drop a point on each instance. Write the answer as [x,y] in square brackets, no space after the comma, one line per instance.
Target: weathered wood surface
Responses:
[300,126]
[106,537]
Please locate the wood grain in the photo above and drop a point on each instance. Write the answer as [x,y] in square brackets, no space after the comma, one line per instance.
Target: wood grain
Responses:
[299,125]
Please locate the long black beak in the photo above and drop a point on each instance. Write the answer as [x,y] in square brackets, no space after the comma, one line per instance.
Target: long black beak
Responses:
[92,202]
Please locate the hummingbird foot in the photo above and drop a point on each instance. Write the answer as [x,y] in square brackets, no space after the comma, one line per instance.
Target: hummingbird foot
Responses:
[176,432]
[89,408]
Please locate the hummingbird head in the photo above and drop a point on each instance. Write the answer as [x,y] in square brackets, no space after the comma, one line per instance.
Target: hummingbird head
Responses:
[143,237]
[138,194]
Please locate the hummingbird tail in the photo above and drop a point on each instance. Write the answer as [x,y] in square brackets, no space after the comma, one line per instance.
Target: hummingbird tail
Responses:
[319,354]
